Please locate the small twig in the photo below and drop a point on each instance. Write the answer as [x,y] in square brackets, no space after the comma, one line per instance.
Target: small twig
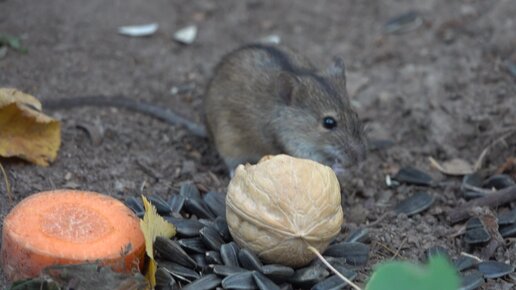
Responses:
[333,269]
[148,170]
[491,200]
[482,156]
[399,248]
[7,184]
[379,219]
[386,248]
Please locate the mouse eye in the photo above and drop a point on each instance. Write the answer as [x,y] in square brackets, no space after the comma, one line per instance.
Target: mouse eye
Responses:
[329,123]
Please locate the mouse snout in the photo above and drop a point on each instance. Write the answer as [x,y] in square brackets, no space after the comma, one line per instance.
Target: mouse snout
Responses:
[349,155]
[359,152]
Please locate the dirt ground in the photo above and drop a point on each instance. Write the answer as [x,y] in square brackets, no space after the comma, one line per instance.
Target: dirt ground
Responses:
[442,89]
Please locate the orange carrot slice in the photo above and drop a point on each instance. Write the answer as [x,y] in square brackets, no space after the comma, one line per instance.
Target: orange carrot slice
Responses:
[69,227]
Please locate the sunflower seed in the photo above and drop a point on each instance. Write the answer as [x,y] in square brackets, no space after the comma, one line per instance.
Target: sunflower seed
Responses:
[471,281]
[229,254]
[176,203]
[263,282]
[249,260]
[507,217]
[403,23]
[179,271]
[197,207]
[476,232]
[186,227]
[164,280]
[135,204]
[499,181]
[207,223]
[213,257]
[358,235]
[286,286]
[473,194]
[223,270]
[508,231]
[221,226]
[200,259]
[308,276]
[335,282]
[472,183]
[207,282]
[189,190]
[410,175]
[355,253]
[172,251]
[477,236]
[160,204]
[474,223]
[416,203]
[216,201]
[195,245]
[465,263]
[494,269]
[276,272]
[211,238]
[243,280]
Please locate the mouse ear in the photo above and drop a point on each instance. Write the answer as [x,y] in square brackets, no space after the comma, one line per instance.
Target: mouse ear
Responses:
[337,69]
[285,86]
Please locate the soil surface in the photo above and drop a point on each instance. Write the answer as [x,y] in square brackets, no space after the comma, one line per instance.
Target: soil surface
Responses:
[441,87]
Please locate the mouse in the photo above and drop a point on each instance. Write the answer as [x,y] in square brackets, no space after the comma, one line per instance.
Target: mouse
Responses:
[266,99]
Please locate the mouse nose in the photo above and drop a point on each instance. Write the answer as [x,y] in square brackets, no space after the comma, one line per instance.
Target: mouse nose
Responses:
[357,152]
[362,153]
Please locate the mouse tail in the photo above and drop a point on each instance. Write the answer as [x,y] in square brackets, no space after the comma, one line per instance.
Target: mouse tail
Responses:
[145,108]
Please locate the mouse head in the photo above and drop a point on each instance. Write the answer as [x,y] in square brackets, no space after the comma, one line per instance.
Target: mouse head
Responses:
[315,119]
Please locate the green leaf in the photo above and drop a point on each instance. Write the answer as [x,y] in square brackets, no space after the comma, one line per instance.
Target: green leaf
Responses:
[12,41]
[438,274]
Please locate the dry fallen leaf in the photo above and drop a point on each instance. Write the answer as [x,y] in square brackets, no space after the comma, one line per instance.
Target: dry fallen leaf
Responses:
[454,166]
[153,225]
[25,132]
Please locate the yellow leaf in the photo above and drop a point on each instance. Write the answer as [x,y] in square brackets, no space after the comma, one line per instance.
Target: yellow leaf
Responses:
[8,96]
[153,225]
[25,132]
[150,275]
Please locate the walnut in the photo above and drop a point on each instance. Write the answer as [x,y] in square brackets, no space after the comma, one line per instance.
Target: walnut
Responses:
[282,205]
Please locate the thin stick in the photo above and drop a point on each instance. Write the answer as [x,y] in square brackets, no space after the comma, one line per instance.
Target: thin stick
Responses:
[386,248]
[333,269]
[379,219]
[494,199]
[7,184]
[399,248]
[501,139]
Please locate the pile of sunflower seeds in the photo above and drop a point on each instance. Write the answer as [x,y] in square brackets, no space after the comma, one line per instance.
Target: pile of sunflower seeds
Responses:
[203,254]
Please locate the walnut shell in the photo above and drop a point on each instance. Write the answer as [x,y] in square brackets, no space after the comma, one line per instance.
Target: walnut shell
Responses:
[281,205]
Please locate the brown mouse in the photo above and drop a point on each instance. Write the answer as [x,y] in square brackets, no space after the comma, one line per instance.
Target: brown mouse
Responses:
[267,99]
